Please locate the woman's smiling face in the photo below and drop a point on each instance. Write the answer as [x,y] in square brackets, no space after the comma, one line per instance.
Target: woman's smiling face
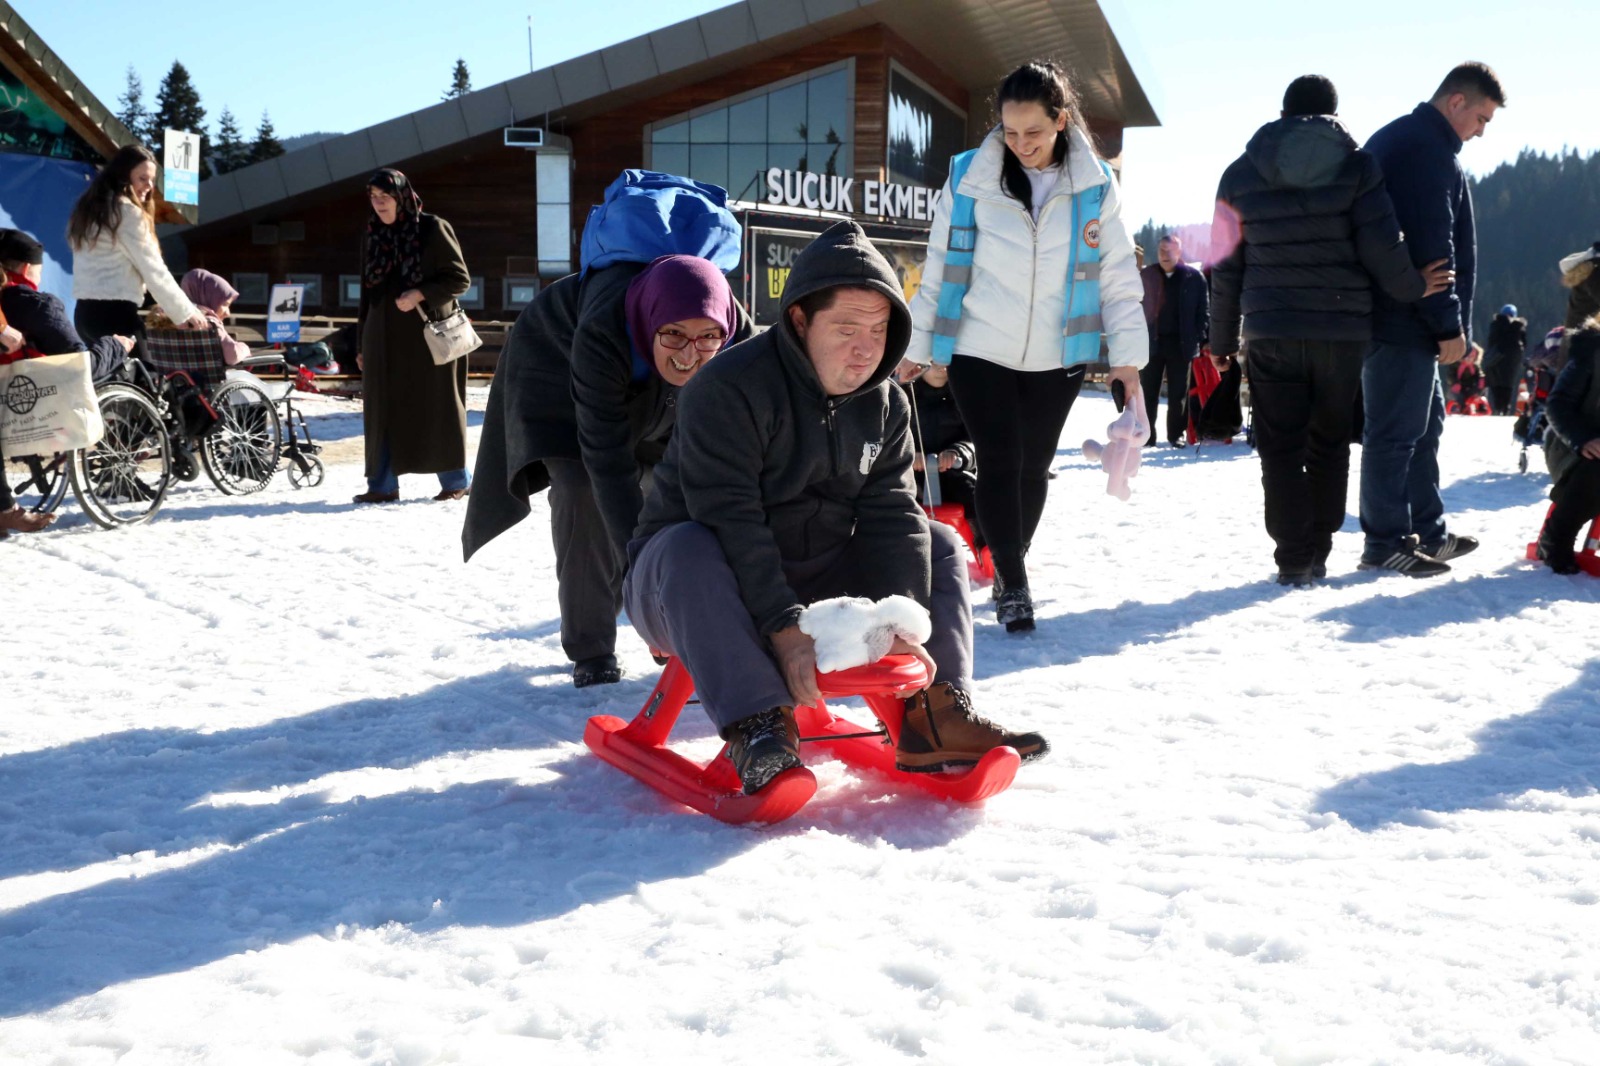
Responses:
[1031,132]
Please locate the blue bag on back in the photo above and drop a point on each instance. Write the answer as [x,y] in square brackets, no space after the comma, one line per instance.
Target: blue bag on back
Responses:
[647,214]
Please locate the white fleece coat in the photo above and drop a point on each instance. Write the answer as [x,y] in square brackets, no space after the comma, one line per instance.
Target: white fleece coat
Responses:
[122,267]
[1016,303]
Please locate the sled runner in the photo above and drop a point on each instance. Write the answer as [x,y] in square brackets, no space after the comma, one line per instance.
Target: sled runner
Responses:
[1588,560]
[639,748]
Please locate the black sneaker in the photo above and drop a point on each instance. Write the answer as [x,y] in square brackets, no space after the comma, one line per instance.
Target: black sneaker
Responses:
[1407,560]
[764,746]
[1452,547]
[600,670]
[1300,579]
[1013,608]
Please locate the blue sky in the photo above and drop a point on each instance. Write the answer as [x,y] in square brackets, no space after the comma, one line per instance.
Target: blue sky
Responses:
[1219,68]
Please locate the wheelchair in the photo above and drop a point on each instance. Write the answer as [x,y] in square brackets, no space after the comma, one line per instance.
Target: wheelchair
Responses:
[174,411]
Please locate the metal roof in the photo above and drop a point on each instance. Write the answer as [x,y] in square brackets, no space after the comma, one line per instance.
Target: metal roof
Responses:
[974,41]
[36,63]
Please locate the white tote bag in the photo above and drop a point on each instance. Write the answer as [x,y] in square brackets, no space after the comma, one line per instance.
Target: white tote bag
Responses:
[47,405]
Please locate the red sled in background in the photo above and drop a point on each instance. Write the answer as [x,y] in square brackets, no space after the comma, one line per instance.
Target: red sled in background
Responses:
[980,565]
[1214,412]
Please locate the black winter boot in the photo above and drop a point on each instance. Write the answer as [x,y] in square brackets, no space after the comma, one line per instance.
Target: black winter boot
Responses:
[764,746]
[600,670]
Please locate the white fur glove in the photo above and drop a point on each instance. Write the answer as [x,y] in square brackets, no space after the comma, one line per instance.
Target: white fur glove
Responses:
[854,631]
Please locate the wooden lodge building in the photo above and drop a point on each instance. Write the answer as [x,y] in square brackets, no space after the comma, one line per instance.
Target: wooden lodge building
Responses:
[805,110]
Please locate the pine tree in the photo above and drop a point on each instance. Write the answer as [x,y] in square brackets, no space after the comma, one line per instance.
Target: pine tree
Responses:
[267,145]
[131,110]
[460,82]
[229,152]
[178,108]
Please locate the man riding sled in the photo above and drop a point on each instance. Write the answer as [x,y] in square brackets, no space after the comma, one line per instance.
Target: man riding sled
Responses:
[788,481]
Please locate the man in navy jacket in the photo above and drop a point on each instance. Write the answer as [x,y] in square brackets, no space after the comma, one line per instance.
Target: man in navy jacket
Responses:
[1402,512]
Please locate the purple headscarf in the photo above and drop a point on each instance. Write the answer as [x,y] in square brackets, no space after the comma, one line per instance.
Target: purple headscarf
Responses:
[207,290]
[671,289]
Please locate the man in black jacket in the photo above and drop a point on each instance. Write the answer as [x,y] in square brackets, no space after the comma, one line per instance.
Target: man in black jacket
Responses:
[788,480]
[1502,360]
[1402,511]
[1310,229]
[1175,309]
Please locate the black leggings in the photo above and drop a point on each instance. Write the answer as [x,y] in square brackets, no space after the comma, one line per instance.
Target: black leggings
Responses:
[1015,420]
[94,319]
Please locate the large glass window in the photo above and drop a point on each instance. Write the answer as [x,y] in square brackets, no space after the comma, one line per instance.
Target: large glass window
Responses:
[924,132]
[804,123]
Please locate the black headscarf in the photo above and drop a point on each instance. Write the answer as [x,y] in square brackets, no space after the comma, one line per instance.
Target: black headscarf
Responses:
[394,249]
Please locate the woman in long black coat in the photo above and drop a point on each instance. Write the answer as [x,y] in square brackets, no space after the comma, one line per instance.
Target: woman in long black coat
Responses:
[415,411]
[583,402]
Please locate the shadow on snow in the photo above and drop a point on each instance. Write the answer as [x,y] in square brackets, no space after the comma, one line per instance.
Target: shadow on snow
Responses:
[292,862]
[1555,747]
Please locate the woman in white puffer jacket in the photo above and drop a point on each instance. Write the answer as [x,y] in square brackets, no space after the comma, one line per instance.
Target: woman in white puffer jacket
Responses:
[1010,374]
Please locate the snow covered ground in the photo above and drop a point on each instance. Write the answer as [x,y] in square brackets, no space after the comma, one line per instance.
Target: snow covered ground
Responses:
[281,780]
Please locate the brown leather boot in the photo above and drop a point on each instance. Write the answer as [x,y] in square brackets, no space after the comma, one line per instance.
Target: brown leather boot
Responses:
[940,730]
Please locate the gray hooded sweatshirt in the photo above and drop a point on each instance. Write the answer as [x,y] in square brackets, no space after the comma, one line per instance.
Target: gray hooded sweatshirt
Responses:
[783,473]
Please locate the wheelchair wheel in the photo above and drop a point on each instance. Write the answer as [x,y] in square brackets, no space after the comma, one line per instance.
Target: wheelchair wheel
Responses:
[309,478]
[240,452]
[39,483]
[123,480]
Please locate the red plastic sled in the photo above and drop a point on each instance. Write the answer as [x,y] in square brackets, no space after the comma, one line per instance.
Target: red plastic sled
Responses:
[1588,560]
[638,748]
[981,565]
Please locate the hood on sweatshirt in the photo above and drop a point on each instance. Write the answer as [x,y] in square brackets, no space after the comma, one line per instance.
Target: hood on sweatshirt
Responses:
[842,256]
[1303,152]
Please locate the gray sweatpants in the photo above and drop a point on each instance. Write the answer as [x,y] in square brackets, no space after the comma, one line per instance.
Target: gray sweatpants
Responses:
[683,598]
[588,572]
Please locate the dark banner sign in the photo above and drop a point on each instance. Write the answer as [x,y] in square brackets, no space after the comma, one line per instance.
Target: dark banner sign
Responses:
[773,253]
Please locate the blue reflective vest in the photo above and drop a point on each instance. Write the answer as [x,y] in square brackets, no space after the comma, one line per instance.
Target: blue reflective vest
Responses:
[1080,332]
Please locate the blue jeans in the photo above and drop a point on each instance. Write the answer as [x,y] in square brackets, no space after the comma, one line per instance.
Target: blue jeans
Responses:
[388,482]
[1400,450]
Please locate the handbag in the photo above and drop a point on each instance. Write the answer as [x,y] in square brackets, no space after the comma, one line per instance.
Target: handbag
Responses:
[48,405]
[450,337]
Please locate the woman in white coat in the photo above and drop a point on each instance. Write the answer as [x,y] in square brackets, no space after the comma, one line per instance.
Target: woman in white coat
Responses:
[116,258]
[1041,268]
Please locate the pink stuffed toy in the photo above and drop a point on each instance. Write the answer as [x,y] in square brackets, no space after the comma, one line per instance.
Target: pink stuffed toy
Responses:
[1119,456]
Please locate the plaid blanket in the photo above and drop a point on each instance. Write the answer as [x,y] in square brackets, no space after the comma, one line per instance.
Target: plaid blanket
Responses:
[197,353]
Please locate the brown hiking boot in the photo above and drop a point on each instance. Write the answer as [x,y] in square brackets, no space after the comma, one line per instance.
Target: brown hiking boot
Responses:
[940,730]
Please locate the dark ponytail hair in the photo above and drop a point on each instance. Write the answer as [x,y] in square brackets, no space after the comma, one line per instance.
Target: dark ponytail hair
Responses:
[1049,85]
[97,210]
